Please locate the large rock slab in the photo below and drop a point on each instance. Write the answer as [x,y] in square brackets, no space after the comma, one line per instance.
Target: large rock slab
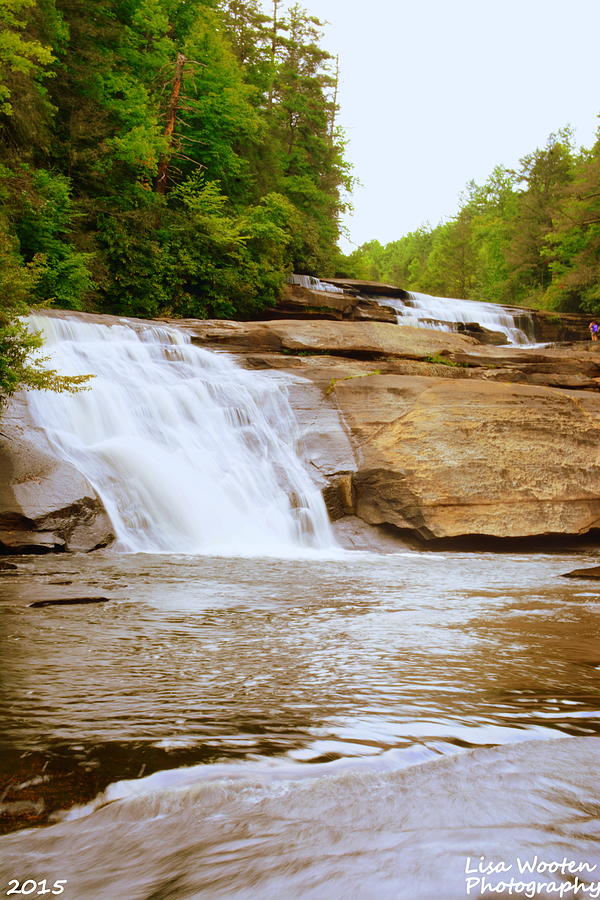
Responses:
[45,503]
[373,288]
[448,458]
[354,340]
[300,302]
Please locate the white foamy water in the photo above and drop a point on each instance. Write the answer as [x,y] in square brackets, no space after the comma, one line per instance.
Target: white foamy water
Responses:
[370,832]
[315,284]
[445,313]
[188,452]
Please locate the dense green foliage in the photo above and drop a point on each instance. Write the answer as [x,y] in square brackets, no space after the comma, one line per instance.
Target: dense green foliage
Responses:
[21,366]
[160,157]
[529,236]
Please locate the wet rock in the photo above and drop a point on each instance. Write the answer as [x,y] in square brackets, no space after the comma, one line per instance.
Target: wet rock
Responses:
[24,540]
[568,360]
[553,326]
[481,334]
[593,572]
[68,601]
[21,809]
[423,431]
[338,497]
[353,533]
[374,288]
[372,311]
[46,505]
[302,302]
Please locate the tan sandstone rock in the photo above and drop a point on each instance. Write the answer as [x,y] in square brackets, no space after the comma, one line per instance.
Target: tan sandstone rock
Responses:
[452,457]
[360,340]
[441,450]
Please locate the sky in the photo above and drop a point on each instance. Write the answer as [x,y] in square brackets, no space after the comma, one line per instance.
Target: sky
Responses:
[435,93]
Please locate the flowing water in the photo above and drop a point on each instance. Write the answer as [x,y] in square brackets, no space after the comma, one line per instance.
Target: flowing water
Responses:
[281,719]
[445,314]
[315,284]
[353,726]
[188,451]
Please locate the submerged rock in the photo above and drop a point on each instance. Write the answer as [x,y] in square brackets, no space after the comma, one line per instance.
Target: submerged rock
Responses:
[593,572]
[68,601]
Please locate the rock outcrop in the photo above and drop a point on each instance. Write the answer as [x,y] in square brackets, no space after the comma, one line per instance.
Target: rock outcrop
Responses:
[423,432]
[452,439]
[45,503]
[447,458]
[299,302]
[352,340]
[593,573]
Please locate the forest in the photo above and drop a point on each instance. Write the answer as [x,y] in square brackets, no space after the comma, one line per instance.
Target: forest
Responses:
[160,157]
[529,236]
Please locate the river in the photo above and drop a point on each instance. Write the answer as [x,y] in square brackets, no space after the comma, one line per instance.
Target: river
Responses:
[327,726]
[267,716]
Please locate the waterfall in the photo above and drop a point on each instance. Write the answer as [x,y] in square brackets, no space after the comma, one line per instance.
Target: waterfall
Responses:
[445,313]
[189,452]
[315,284]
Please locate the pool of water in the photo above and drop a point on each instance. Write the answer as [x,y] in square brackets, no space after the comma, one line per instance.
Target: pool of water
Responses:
[227,696]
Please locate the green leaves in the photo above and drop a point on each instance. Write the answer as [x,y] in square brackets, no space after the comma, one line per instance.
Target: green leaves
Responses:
[21,366]
[229,110]
[529,237]
[19,54]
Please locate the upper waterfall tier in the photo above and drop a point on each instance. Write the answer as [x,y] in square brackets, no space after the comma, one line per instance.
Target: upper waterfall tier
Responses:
[188,452]
[315,284]
[446,314]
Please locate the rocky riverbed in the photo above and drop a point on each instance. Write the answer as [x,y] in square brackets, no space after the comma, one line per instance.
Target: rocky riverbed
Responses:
[428,435]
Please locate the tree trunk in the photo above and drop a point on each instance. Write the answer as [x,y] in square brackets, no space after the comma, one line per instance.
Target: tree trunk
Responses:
[163,166]
[273,52]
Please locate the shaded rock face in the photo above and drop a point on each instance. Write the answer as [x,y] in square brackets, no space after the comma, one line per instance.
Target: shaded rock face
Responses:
[553,327]
[375,288]
[45,503]
[593,572]
[481,334]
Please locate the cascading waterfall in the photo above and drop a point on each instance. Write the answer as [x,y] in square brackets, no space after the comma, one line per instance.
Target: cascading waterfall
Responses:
[188,452]
[445,313]
[315,284]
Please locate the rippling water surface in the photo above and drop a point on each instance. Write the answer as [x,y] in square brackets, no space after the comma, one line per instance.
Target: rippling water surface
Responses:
[298,673]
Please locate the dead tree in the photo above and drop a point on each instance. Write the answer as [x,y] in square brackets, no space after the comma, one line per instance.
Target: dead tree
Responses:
[163,165]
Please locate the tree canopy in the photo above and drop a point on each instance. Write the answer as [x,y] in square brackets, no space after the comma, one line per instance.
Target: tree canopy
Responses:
[159,157]
[529,236]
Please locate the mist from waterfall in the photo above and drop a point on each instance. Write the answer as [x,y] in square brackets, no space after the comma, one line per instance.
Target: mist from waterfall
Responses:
[188,452]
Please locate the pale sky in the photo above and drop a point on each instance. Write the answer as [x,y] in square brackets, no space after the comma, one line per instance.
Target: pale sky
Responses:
[437,92]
